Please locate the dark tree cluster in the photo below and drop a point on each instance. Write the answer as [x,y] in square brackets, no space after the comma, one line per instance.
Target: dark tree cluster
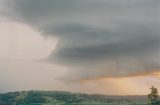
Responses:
[153,96]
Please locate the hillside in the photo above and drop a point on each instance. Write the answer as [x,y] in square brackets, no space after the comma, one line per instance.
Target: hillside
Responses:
[67,98]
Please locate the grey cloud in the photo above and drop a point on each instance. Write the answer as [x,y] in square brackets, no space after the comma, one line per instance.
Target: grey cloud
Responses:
[96,35]
[43,12]
[98,43]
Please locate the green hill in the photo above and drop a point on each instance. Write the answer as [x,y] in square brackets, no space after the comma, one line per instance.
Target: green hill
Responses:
[67,98]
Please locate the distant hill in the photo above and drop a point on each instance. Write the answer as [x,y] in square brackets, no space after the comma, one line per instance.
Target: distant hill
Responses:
[67,98]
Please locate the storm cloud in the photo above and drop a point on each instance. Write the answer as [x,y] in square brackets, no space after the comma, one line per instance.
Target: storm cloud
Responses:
[96,38]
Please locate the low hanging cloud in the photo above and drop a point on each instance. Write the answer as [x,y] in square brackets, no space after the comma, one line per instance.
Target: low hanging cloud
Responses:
[96,38]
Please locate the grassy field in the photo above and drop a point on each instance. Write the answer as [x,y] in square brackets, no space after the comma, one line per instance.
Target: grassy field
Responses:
[67,98]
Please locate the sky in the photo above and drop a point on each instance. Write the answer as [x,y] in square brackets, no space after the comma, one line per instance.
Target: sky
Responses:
[93,46]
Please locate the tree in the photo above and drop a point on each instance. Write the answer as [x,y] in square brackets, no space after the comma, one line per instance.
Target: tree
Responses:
[153,96]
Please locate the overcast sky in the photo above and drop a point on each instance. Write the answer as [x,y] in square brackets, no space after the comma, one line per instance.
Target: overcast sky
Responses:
[92,46]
